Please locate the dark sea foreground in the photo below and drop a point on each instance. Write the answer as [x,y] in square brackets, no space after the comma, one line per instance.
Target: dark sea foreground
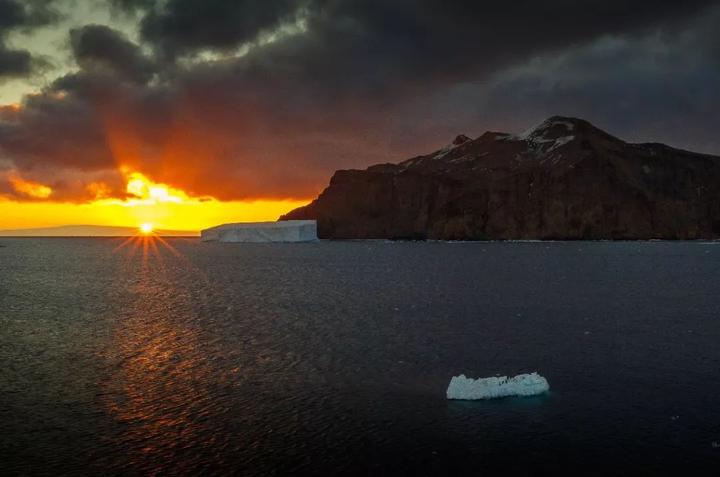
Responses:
[333,358]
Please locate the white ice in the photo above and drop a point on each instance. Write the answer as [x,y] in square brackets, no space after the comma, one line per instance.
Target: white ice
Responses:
[488,388]
[281,231]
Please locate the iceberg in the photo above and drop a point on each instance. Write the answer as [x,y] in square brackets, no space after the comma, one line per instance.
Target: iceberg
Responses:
[488,388]
[263,232]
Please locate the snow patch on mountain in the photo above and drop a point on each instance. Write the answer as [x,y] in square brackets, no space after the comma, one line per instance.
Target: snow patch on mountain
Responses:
[559,142]
[546,136]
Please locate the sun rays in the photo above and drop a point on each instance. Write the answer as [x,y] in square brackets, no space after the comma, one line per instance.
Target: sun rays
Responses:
[148,243]
[157,254]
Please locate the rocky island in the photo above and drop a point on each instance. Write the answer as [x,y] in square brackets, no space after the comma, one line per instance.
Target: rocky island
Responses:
[564,179]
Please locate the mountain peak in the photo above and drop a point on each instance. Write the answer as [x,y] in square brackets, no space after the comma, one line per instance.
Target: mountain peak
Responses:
[551,129]
[563,128]
[460,139]
[457,142]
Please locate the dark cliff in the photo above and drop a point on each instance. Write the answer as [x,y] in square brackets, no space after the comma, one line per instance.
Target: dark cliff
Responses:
[564,179]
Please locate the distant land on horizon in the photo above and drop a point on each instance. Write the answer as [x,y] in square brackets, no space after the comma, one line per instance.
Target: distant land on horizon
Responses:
[90,231]
[564,179]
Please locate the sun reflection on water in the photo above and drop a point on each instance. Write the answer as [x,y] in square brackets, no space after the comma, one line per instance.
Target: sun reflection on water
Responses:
[160,394]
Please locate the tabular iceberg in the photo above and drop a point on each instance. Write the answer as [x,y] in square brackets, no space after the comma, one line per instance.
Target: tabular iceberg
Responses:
[260,232]
[488,388]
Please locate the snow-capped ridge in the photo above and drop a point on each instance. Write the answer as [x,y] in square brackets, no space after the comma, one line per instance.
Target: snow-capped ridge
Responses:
[548,130]
[549,135]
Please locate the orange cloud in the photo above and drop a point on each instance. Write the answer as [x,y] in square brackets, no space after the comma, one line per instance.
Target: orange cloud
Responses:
[29,188]
[98,190]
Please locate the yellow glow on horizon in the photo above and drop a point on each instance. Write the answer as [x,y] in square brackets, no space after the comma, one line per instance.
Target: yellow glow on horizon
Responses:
[156,206]
[189,216]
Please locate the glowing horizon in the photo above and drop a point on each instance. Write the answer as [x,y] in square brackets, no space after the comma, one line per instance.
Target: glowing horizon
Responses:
[158,205]
[190,217]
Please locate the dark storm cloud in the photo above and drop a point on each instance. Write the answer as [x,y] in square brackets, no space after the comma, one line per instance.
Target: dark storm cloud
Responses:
[380,40]
[327,84]
[181,25]
[49,131]
[26,13]
[660,87]
[18,15]
[102,49]
[14,62]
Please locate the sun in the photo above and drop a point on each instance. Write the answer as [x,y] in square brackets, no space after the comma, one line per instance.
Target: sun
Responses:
[146,229]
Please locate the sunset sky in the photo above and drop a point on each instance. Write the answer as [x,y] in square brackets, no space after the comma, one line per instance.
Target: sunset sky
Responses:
[190,113]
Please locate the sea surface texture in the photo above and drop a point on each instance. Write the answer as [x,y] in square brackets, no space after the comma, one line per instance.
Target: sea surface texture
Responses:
[157,357]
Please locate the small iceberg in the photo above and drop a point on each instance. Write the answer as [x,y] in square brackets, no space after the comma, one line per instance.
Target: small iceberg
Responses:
[488,388]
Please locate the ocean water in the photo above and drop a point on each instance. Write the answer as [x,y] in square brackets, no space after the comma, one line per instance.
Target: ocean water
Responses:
[177,357]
